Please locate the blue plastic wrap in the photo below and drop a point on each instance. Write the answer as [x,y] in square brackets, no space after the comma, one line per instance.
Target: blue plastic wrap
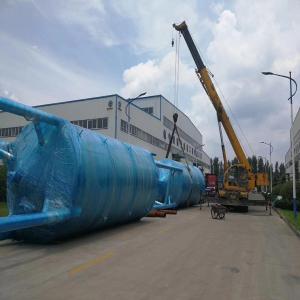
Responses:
[179,188]
[65,180]
[87,179]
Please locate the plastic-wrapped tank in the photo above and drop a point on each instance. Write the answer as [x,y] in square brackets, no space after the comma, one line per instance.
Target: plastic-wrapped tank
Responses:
[180,186]
[64,180]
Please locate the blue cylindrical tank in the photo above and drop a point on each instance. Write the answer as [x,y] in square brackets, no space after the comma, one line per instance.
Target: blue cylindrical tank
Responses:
[71,180]
[183,187]
[65,180]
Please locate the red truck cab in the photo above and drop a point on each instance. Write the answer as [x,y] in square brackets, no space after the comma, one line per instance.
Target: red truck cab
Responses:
[211,185]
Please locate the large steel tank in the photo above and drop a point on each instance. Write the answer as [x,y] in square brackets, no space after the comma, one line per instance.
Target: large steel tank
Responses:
[64,180]
[179,186]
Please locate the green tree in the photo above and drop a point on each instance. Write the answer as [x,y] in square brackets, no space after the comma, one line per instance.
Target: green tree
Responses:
[234,161]
[250,161]
[221,169]
[2,183]
[267,167]
[276,176]
[228,163]
[254,164]
[282,173]
[216,166]
[261,167]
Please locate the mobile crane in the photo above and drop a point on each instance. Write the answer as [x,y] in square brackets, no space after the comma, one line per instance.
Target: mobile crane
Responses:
[239,180]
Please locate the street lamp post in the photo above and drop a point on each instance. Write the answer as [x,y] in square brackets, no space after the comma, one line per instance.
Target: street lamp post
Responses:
[201,150]
[291,133]
[265,164]
[129,101]
[270,155]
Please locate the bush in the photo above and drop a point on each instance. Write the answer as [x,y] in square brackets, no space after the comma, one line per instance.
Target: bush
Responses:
[285,190]
[2,183]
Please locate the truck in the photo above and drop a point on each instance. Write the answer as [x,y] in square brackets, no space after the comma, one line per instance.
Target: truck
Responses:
[211,185]
[240,182]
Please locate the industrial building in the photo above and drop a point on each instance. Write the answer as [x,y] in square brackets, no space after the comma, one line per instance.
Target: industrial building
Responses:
[146,122]
[295,130]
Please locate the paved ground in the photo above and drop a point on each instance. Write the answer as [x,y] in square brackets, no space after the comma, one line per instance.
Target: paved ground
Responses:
[188,256]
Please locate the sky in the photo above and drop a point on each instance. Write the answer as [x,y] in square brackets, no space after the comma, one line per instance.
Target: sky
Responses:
[54,50]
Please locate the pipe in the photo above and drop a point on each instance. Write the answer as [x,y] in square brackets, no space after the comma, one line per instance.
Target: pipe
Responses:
[16,222]
[28,112]
[156,214]
[159,206]
[169,211]
[5,154]
[165,166]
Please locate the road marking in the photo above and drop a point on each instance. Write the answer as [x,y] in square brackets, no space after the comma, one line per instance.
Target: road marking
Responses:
[90,263]
[166,229]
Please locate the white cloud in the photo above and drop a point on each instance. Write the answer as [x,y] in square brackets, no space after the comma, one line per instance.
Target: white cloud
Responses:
[35,76]
[156,77]
[238,40]
[245,40]
[153,21]
[91,16]
[7,94]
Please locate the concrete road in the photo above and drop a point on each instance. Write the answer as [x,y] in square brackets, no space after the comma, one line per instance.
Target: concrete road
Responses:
[188,256]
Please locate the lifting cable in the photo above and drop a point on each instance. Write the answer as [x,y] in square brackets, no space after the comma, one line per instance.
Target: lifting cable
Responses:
[176,68]
[227,104]
[176,97]
[233,116]
[175,129]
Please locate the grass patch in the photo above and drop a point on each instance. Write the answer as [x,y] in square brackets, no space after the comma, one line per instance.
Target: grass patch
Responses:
[289,214]
[3,209]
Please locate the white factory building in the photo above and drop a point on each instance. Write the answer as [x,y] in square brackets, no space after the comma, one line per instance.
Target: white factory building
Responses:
[146,122]
[295,130]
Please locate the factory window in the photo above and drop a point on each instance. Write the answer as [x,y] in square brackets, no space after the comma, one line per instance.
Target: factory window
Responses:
[84,123]
[169,124]
[133,130]
[141,134]
[148,110]
[124,126]
[10,132]
[164,134]
[105,123]
[101,123]
[169,136]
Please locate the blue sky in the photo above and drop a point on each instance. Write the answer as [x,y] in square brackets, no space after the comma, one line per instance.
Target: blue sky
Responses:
[62,50]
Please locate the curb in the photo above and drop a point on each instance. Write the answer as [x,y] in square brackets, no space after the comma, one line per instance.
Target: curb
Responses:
[297,232]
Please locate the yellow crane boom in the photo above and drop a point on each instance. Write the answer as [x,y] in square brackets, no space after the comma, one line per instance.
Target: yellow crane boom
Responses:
[245,180]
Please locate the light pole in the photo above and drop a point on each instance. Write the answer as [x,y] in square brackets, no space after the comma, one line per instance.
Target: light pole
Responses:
[265,165]
[270,155]
[200,146]
[291,133]
[129,101]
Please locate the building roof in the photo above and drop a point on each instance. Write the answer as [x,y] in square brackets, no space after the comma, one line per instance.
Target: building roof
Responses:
[117,95]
